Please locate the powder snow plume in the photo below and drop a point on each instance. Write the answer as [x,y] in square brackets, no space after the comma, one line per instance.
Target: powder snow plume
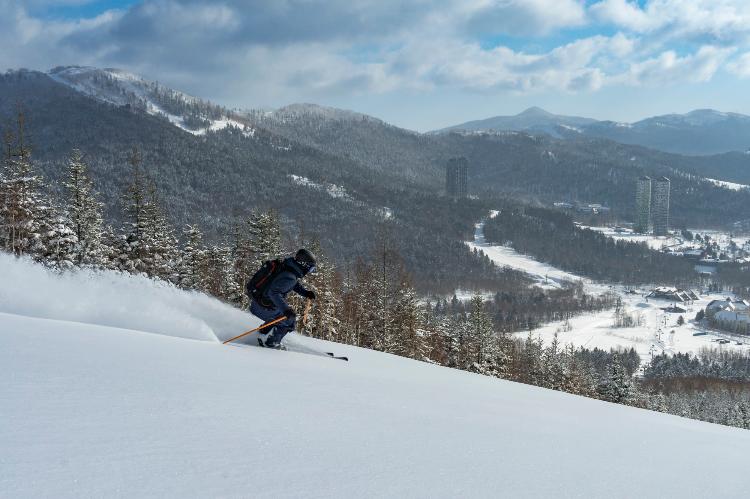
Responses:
[115,299]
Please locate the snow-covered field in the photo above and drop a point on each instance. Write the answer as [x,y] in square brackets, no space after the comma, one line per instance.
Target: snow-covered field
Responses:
[118,403]
[653,242]
[674,241]
[658,334]
[545,276]
[593,330]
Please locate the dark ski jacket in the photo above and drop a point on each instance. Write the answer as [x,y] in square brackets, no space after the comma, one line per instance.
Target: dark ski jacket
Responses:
[285,281]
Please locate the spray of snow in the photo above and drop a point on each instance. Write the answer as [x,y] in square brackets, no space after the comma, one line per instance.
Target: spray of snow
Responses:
[117,300]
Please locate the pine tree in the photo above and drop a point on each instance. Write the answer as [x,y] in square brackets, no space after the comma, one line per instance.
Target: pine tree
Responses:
[193,267]
[616,385]
[555,365]
[221,280]
[482,337]
[159,238]
[147,244]
[254,241]
[323,321]
[57,241]
[465,344]
[85,213]
[23,209]
[384,278]
[264,237]
[132,253]
[407,338]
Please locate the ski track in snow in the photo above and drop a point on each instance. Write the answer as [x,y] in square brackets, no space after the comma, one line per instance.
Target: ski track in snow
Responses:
[546,276]
[88,410]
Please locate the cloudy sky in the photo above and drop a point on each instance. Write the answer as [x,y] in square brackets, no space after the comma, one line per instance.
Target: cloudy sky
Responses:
[420,64]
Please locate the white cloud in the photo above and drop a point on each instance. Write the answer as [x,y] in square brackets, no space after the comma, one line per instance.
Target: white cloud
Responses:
[626,14]
[740,66]
[525,17]
[717,21]
[669,68]
[279,51]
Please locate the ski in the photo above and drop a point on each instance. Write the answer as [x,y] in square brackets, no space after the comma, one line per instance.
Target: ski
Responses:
[306,350]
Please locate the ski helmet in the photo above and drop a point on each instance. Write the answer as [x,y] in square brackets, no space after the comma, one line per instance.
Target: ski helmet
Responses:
[305,260]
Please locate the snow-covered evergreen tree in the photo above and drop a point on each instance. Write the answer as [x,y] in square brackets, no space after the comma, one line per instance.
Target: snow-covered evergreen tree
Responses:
[58,243]
[23,208]
[147,244]
[555,366]
[254,241]
[265,237]
[616,385]
[323,321]
[221,280]
[193,266]
[132,250]
[407,338]
[160,241]
[482,333]
[85,213]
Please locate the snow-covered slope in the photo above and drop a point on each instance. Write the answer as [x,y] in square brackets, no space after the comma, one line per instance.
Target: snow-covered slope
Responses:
[121,88]
[88,410]
[732,186]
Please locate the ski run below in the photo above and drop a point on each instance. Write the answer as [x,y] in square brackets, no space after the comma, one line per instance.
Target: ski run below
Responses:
[657,333]
[115,386]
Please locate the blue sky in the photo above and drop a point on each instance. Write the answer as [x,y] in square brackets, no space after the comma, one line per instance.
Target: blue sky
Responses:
[422,64]
[72,10]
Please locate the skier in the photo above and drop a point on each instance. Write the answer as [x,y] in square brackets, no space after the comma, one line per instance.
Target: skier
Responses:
[268,300]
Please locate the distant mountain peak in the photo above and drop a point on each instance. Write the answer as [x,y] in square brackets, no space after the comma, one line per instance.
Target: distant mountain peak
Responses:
[535,111]
[533,119]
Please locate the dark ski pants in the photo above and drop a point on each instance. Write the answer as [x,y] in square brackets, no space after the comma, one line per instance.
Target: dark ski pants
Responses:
[267,315]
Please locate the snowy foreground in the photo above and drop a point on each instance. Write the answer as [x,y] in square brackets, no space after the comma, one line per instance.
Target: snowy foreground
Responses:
[112,386]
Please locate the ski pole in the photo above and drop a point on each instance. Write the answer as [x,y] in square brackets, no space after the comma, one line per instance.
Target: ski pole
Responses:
[306,312]
[275,321]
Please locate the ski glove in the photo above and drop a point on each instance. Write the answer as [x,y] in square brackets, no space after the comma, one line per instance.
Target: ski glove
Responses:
[310,295]
[290,314]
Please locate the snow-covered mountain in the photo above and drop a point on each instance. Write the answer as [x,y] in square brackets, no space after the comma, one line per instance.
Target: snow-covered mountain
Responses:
[704,131]
[699,132]
[114,386]
[533,119]
[121,88]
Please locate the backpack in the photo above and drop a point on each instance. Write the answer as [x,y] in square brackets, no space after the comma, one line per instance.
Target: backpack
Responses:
[258,283]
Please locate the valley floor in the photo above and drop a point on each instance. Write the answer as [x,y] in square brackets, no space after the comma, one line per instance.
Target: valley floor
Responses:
[658,333]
